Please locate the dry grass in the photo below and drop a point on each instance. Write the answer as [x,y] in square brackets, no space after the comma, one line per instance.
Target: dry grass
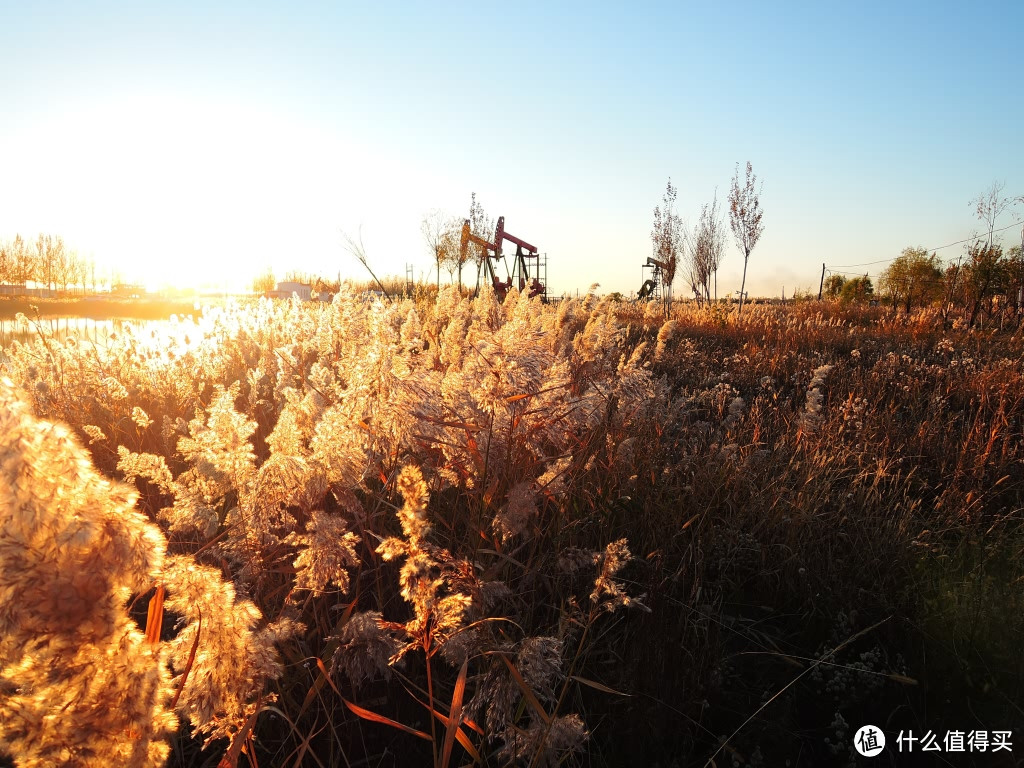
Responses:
[462,533]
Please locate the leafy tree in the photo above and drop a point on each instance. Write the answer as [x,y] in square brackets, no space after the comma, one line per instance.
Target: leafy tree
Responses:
[438,228]
[834,286]
[745,218]
[1014,272]
[857,289]
[984,275]
[667,240]
[914,277]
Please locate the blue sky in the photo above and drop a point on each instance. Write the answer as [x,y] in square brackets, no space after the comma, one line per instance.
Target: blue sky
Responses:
[177,140]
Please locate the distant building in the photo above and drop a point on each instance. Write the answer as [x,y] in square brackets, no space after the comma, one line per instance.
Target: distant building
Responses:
[287,289]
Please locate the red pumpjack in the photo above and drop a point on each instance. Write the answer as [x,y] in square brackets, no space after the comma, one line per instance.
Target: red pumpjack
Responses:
[520,269]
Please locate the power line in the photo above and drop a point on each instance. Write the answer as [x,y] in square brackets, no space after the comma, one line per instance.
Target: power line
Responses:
[939,248]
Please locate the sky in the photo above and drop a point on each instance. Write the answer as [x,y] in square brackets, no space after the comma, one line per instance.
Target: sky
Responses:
[184,143]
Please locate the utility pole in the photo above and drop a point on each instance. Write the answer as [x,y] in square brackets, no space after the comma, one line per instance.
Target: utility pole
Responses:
[821,285]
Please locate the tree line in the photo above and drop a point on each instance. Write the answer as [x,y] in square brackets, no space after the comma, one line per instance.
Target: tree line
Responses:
[46,261]
[983,283]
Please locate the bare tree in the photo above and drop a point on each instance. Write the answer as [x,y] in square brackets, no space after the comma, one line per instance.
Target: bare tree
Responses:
[24,261]
[706,250]
[481,225]
[6,262]
[667,241]
[441,233]
[991,204]
[355,247]
[432,227]
[65,262]
[716,240]
[47,253]
[695,266]
[745,218]
[90,273]
[78,270]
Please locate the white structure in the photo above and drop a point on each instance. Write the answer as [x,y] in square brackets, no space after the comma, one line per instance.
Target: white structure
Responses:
[287,289]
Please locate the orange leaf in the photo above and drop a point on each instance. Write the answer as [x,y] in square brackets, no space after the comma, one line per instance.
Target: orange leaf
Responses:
[155,616]
[517,398]
[188,664]
[474,450]
[491,490]
[455,716]
[473,726]
[323,669]
[460,735]
[373,717]
[689,522]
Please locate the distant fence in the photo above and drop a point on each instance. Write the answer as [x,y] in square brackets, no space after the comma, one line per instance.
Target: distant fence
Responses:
[20,289]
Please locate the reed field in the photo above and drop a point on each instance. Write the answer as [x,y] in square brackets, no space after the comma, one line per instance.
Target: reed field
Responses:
[443,531]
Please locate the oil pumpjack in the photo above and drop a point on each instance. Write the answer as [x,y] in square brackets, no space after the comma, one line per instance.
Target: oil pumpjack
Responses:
[652,285]
[521,269]
[488,251]
[521,272]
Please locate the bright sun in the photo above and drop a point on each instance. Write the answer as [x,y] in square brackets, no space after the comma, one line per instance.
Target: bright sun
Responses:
[182,193]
